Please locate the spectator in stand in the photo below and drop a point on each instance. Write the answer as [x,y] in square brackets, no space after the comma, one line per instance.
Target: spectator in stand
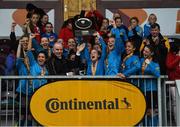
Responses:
[50,34]
[42,23]
[5,54]
[149,87]
[104,29]
[37,67]
[71,46]
[173,60]
[115,15]
[22,65]
[135,33]
[57,64]
[30,8]
[113,59]
[95,64]
[66,32]
[8,49]
[145,42]
[29,66]
[147,27]
[43,46]
[74,61]
[160,45]
[173,71]
[130,62]
[120,33]
[31,26]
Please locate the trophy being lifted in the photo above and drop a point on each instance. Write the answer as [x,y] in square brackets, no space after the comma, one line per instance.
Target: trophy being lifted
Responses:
[84,27]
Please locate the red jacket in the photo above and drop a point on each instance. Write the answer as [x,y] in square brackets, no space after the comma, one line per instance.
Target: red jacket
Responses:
[173,66]
[99,17]
[37,32]
[65,34]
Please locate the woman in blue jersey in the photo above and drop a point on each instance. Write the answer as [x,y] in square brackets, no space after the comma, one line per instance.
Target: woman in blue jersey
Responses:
[27,65]
[43,46]
[135,33]
[120,33]
[96,58]
[37,68]
[149,86]
[130,62]
[147,27]
[113,59]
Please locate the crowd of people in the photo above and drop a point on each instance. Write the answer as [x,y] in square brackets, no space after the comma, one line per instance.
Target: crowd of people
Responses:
[114,49]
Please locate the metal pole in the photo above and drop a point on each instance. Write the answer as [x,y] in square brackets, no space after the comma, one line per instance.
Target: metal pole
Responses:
[159,102]
[7,93]
[13,102]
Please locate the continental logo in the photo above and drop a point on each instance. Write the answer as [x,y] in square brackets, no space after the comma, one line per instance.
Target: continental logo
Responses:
[54,105]
[88,103]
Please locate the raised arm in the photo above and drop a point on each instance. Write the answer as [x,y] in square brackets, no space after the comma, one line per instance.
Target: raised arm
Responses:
[19,48]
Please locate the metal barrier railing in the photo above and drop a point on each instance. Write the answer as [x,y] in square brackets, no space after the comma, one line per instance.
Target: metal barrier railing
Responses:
[11,110]
[169,102]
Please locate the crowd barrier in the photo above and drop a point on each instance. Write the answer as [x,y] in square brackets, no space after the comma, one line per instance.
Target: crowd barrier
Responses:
[10,106]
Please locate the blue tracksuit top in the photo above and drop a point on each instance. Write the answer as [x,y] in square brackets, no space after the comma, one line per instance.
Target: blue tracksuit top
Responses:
[120,34]
[48,35]
[35,70]
[22,71]
[113,60]
[131,66]
[100,64]
[38,47]
[151,69]
[139,31]
[112,63]
[147,30]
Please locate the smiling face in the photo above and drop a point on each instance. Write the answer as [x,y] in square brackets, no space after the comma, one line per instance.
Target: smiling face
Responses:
[133,23]
[147,52]
[111,43]
[118,22]
[152,19]
[58,50]
[71,44]
[35,18]
[25,41]
[129,48]
[41,58]
[155,31]
[49,28]
[94,55]
[105,22]
[45,42]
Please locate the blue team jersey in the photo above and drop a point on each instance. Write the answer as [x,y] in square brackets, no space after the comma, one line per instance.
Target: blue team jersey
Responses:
[151,69]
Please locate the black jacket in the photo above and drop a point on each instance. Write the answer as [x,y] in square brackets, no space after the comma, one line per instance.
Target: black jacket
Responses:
[56,66]
[160,53]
